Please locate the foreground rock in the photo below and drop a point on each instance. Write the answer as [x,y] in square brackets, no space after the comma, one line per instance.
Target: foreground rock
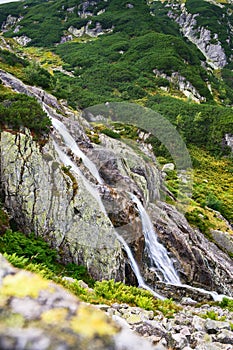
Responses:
[190,328]
[36,314]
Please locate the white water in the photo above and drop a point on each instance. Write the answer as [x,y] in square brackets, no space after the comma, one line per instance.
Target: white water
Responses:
[68,162]
[70,142]
[65,159]
[135,268]
[159,256]
[157,253]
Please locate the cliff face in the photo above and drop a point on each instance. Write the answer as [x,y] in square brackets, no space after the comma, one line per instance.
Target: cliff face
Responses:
[43,194]
[41,197]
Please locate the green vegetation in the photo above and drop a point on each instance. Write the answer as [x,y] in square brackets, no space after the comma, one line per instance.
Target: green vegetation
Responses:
[211,194]
[18,110]
[119,292]
[226,304]
[213,181]
[116,67]
[9,58]
[36,75]
[213,316]
[34,254]
[200,125]
[119,66]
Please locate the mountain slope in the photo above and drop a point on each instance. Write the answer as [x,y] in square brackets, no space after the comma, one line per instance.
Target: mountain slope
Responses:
[129,49]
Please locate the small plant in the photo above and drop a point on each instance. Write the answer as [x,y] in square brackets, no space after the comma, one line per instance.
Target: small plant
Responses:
[200,220]
[227,304]
[66,170]
[119,292]
[213,316]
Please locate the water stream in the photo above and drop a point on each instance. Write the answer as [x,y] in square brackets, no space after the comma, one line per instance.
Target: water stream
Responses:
[157,253]
[72,145]
[90,188]
[69,163]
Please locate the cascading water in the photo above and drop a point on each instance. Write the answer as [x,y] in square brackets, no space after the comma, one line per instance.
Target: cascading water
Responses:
[18,86]
[157,253]
[68,162]
[153,246]
[135,268]
[70,142]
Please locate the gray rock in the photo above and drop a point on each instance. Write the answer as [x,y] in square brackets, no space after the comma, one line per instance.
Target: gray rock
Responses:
[224,240]
[214,327]
[200,36]
[198,323]
[179,341]
[225,337]
[188,301]
[43,198]
[168,167]
[213,346]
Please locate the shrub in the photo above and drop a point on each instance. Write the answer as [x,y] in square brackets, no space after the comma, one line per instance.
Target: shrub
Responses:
[111,133]
[19,110]
[227,304]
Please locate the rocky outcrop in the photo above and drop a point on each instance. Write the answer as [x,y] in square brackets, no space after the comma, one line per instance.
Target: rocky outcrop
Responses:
[229,141]
[200,36]
[179,82]
[23,40]
[88,30]
[44,198]
[10,22]
[189,328]
[37,314]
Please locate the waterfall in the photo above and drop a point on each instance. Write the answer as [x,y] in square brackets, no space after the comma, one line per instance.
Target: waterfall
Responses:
[135,268]
[68,162]
[157,253]
[70,142]
[18,86]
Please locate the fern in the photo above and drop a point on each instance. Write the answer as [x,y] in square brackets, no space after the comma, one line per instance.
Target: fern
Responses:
[17,261]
